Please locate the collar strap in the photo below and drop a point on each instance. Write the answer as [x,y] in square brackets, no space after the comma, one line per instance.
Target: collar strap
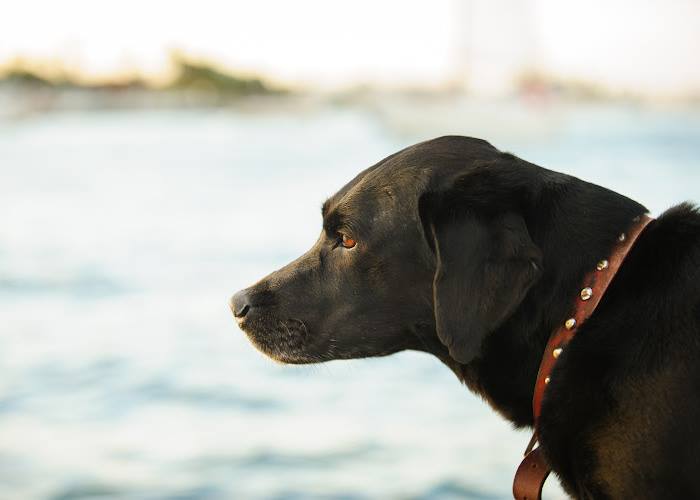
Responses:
[533,470]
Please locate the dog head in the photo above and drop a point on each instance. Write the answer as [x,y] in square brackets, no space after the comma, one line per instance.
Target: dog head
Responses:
[429,249]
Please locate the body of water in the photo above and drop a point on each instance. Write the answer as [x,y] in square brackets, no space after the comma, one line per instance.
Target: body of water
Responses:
[122,235]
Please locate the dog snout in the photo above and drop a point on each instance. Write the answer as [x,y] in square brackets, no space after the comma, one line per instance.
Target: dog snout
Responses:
[240,304]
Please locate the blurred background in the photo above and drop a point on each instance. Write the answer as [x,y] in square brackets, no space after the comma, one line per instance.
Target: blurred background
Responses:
[157,156]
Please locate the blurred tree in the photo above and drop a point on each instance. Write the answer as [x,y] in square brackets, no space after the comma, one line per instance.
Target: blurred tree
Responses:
[202,77]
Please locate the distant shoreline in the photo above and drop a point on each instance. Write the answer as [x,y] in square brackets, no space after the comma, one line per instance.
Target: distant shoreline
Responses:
[196,84]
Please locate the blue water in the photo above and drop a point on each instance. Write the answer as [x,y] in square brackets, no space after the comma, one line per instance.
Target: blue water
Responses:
[122,234]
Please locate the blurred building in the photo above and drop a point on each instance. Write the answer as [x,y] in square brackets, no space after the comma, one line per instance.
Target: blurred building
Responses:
[496,43]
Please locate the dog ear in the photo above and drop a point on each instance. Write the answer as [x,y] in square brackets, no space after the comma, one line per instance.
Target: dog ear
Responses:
[485,265]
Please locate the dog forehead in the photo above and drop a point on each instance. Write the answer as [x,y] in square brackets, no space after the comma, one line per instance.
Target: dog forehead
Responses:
[383,186]
[401,178]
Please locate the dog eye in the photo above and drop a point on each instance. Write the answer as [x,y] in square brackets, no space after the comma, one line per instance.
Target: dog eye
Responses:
[347,241]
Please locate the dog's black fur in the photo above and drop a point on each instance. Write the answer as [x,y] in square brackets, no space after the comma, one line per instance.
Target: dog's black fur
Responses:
[476,256]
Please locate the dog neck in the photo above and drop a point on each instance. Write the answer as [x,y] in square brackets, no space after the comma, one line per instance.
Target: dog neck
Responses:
[534,469]
[506,372]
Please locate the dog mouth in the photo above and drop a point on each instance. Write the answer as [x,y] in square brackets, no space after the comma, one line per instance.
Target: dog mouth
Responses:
[285,341]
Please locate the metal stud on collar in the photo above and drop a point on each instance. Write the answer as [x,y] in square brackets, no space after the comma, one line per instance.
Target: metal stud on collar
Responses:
[547,380]
[586,293]
[557,352]
[570,323]
[622,237]
[603,264]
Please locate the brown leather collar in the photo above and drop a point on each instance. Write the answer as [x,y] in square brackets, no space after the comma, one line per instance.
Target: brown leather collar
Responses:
[533,470]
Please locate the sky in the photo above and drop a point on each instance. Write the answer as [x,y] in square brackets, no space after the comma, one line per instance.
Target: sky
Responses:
[646,46]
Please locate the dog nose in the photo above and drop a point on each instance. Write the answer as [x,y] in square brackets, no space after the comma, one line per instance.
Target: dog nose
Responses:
[240,304]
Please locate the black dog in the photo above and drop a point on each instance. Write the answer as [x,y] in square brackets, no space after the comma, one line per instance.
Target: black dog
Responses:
[455,248]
